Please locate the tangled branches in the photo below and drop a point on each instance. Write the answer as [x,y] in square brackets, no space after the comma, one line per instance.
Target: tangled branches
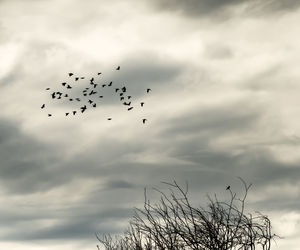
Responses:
[173,223]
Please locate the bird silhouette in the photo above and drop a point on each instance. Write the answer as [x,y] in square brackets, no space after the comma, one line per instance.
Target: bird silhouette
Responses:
[116,90]
[83,108]
[84,94]
[228,188]
[92,92]
[130,108]
[47,88]
[70,74]
[43,106]
[109,84]
[70,99]
[76,78]
[103,85]
[122,98]
[95,85]
[127,103]
[67,114]
[118,68]
[94,105]
[77,99]
[142,104]
[99,73]
[124,89]
[74,112]
[49,114]
[148,90]
[90,101]
[121,94]
[144,120]
[66,95]
[129,97]
[82,77]
[101,96]
[53,95]
[64,84]
[109,119]
[69,87]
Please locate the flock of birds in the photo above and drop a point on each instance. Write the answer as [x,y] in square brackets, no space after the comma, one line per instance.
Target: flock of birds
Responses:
[88,95]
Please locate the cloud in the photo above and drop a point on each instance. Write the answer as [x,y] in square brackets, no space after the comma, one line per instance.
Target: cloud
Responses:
[216,9]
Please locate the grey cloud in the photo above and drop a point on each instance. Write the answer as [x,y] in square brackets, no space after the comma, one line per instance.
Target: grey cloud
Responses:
[217,9]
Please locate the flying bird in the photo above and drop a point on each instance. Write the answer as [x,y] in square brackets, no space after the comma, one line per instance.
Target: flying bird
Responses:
[70,99]
[83,108]
[77,99]
[94,105]
[148,90]
[129,97]
[76,78]
[130,108]
[144,120]
[103,85]
[43,106]
[101,96]
[109,84]
[70,74]
[82,77]
[53,95]
[66,95]
[142,104]
[122,98]
[117,90]
[99,73]
[47,88]
[127,103]
[49,114]
[95,85]
[118,68]
[92,92]
[74,112]
[228,188]
[109,119]
[64,84]
[124,89]
[121,94]
[67,114]
[90,101]
[69,87]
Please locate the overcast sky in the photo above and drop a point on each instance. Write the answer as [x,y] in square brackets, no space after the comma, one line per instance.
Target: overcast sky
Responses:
[225,102]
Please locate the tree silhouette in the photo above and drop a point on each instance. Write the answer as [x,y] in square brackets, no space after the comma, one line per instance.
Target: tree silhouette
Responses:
[173,223]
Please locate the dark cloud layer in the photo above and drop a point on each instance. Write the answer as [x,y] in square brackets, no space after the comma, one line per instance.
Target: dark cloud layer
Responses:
[216,8]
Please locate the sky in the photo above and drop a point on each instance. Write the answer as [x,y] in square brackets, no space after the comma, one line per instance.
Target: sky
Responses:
[224,104]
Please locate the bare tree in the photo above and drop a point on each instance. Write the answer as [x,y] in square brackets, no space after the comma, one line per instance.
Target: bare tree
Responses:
[173,223]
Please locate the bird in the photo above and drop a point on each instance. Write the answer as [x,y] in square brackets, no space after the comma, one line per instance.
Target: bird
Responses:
[109,119]
[142,104]
[144,120]
[148,90]
[69,87]
[92,92]
[129,97]
[116,90]
[70,74]
[77,99]
[64,84]
[74,112]
[99,73]
[122,98]
[109,84]
[90,101]
[103,85]
[121,94]
[101,96]
[53,95]
[84,94]
[95,85]
[94,105]
[43,106]
[228,188]
[118,68]
[82,77]
[76,78]
[70,99]
[47,88]
[92,79]
[124,89]
[130,108]
[49,114]
[67,114]
[127,103]
[66,95]
[83,108]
